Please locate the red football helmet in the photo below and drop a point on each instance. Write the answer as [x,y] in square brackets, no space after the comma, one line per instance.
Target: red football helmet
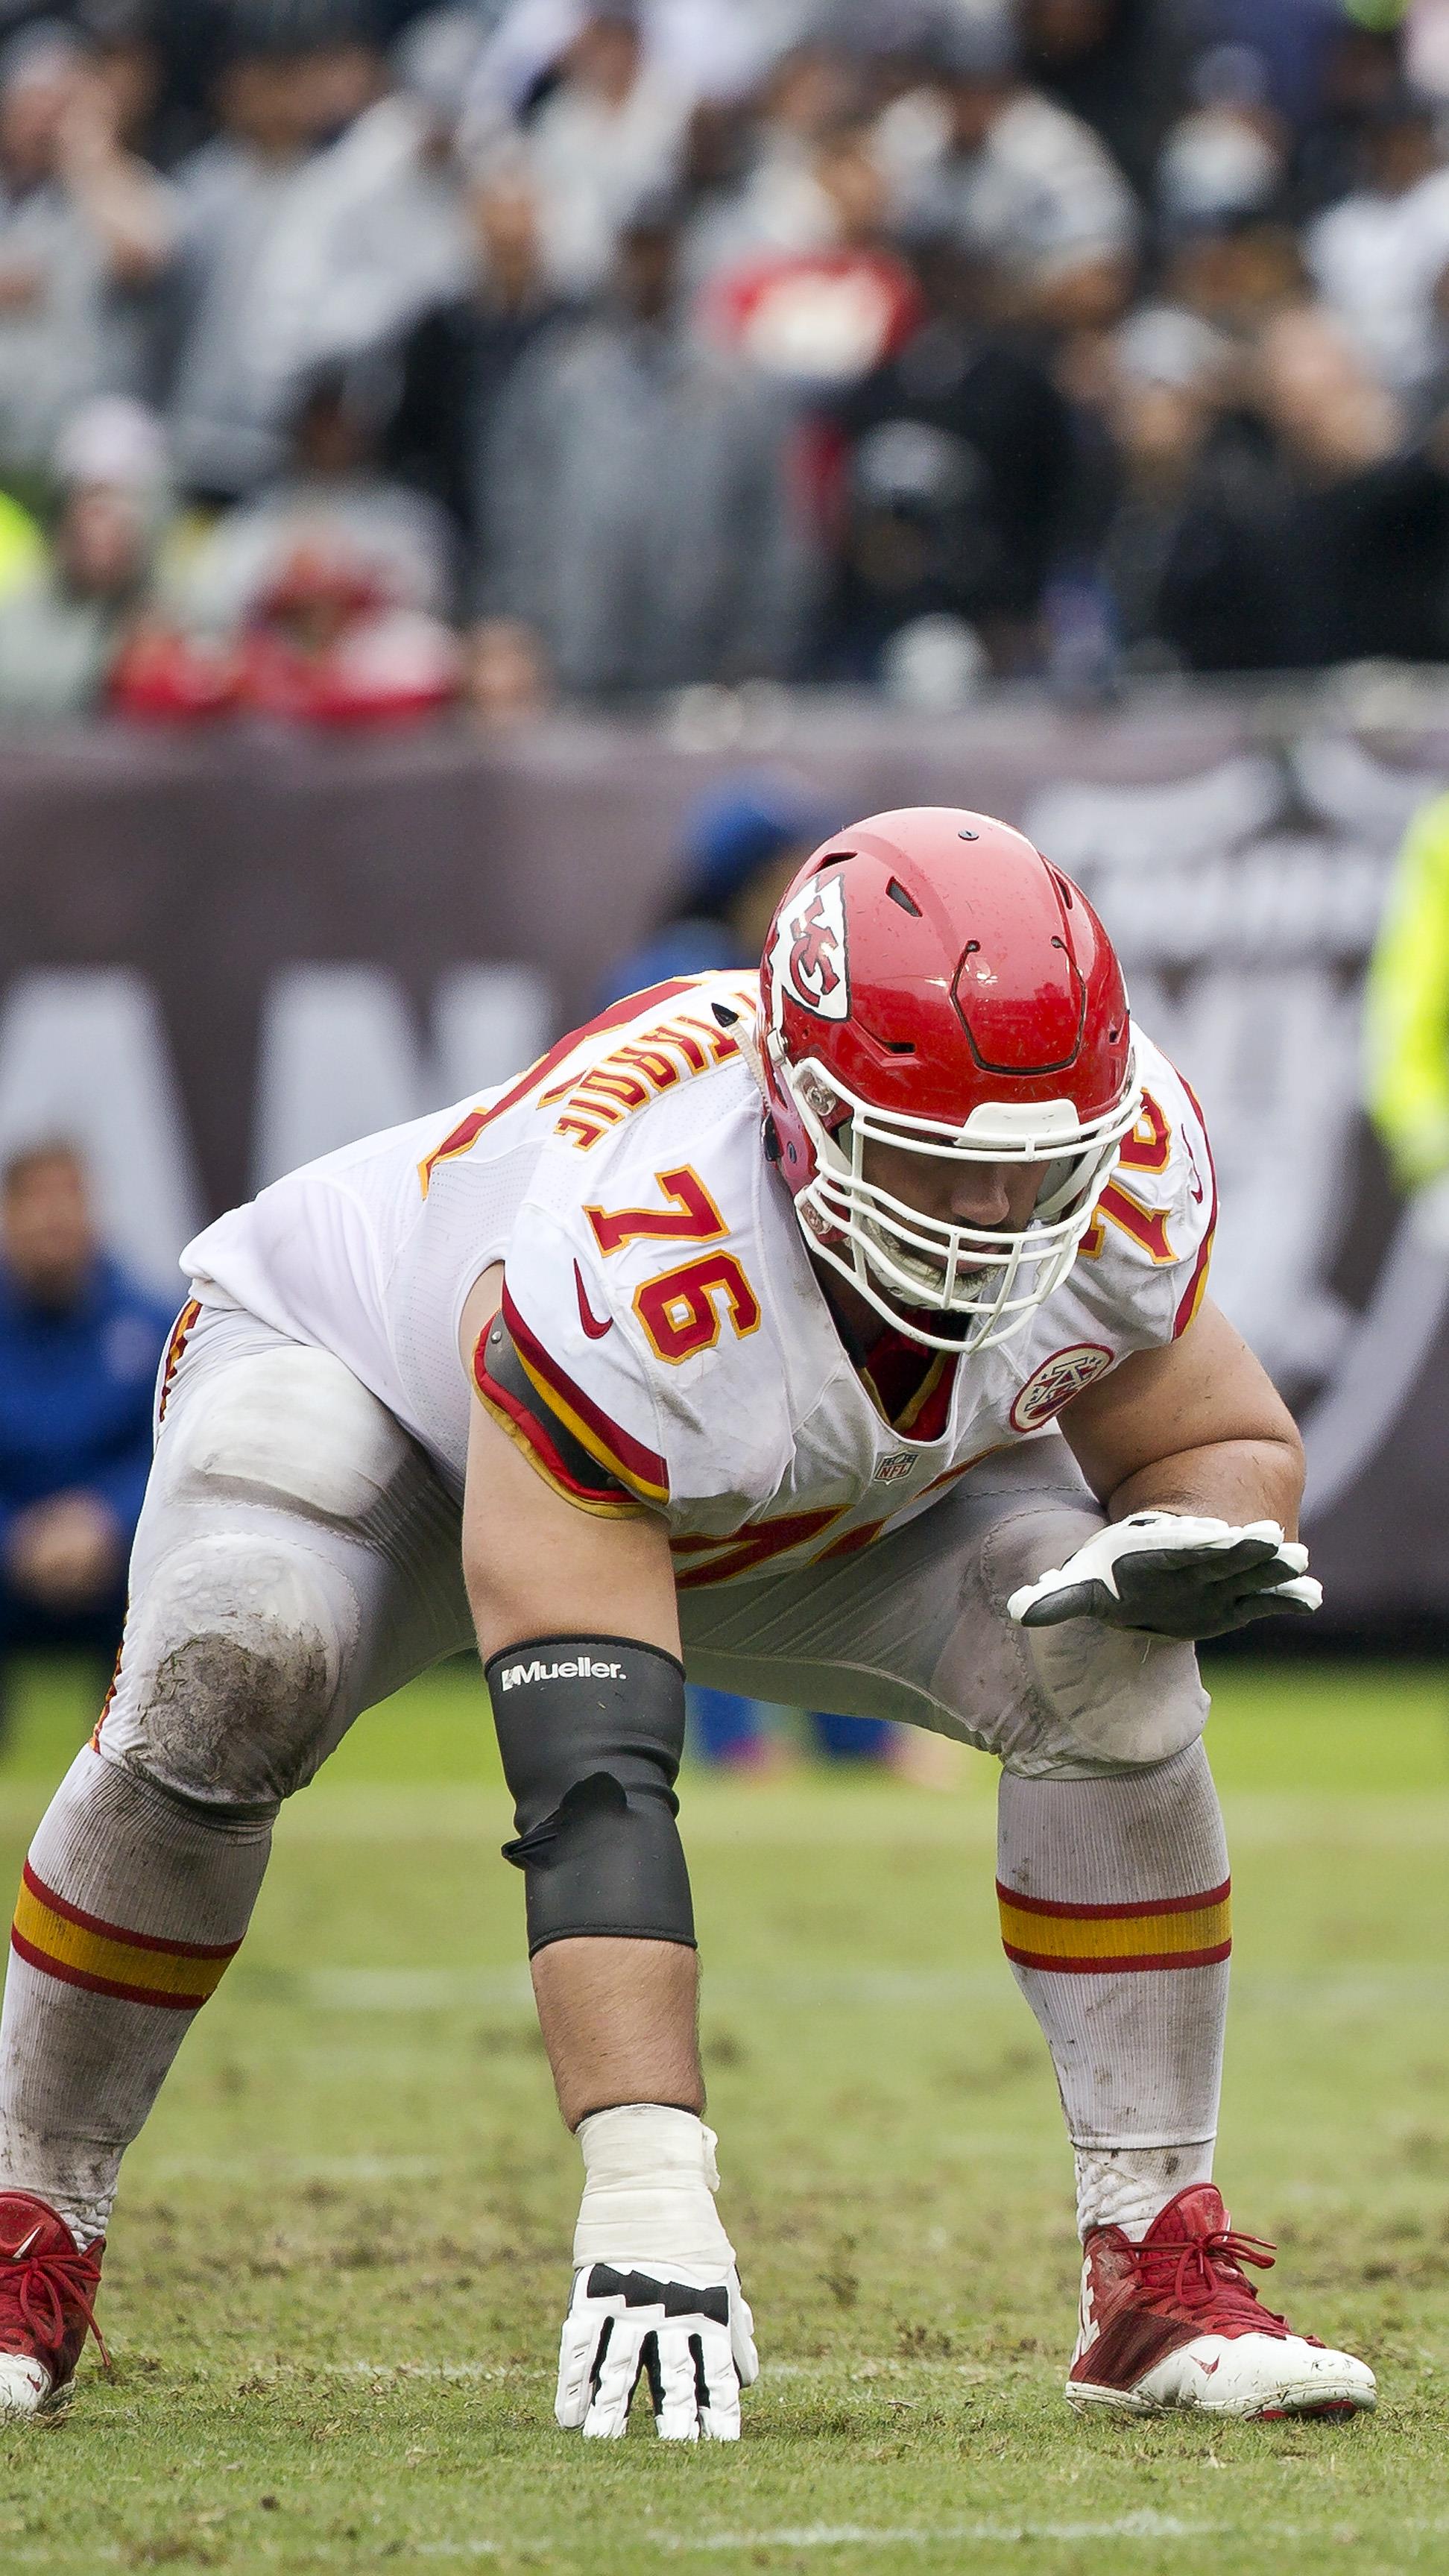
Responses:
[931,981]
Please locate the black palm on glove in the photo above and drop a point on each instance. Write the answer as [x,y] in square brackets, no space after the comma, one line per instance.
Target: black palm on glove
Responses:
[1173,1576]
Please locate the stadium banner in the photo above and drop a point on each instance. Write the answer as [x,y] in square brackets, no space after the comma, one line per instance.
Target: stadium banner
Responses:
[227,952]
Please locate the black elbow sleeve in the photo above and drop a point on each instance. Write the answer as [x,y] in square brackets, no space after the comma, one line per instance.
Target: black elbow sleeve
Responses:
[591,1731]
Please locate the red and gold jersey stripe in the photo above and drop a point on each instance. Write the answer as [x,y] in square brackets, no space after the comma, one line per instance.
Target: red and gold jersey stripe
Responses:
[135,1967]
[1100,1940]
[465,1135]
[181,1332]
[1146,1226]
[529,1434]
[753,1547]
[1149,1147]
[642,1470]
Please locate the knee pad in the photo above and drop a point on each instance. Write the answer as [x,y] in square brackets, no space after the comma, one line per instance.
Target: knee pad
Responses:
[290,1426]
[1065,1702]
[1113,1699]
[591,1732]
[231,1661]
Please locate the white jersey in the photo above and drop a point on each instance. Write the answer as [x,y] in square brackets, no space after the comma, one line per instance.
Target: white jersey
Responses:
[677,1352]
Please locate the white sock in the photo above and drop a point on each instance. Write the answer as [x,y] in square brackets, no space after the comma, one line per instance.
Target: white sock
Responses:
[1114,1913]
[129,1910]
[1126,2186]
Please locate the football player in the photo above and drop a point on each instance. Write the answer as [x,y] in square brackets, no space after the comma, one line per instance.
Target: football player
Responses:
[838,1332]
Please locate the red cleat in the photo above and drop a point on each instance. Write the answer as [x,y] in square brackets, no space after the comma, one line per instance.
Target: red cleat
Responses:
[47,2304]
[1174,2321]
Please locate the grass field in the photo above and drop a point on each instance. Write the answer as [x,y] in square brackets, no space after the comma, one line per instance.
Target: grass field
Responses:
[335,2281]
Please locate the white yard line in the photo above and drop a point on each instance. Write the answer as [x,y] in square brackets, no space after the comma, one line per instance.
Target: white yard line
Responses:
[853,2535]
[1146,2525]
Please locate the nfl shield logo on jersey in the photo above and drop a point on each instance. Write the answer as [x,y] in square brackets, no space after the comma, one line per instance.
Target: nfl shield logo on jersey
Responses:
[808,960]
[1056,1382]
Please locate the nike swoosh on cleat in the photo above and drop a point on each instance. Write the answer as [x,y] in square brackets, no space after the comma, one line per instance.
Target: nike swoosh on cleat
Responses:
[19,2252]
[1208,2367]
[590,1321]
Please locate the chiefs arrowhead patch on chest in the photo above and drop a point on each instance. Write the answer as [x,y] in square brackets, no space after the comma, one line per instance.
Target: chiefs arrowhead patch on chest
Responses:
[1056,1382]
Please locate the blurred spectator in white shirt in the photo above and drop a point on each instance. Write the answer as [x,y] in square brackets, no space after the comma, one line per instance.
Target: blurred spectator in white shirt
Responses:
[325,599]
[782,200]
[1377,256]
[331,502]
[235,194]
[376,230]
[642,532]
[611,131]
[1026,184]
[820,319]
[59,632]
[85,232]
[704,48]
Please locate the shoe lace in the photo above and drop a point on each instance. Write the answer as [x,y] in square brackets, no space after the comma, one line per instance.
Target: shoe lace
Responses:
[1205,2274]
[48,2290]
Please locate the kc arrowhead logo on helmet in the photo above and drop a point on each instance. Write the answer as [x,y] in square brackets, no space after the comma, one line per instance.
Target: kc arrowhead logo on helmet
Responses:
[808,954]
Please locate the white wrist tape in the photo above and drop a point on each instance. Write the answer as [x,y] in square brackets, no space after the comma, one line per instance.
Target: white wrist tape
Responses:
[649,2186]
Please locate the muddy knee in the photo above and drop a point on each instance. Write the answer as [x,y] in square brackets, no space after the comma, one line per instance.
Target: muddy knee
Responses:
[230,1671]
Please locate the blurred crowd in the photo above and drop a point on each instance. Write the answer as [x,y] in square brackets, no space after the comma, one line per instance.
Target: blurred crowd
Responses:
[356,361]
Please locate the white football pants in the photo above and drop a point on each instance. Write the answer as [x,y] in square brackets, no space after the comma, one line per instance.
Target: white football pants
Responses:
[298,1559]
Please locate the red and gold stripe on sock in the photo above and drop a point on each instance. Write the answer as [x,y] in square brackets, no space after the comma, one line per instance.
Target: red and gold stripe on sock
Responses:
[1103,1940]
[56,1937]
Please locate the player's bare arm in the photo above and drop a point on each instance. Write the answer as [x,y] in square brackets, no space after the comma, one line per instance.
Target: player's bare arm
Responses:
[617,2016]
[1199,1465]
[1197,1427]
[536,1566]
[618,2013]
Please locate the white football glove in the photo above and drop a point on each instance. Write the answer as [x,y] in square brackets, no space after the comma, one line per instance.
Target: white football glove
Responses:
[656,2295]
[690,2341]
[1174,1575]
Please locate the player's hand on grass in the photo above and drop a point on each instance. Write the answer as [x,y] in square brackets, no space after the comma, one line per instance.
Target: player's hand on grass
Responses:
[691,2342]
[1175,1576]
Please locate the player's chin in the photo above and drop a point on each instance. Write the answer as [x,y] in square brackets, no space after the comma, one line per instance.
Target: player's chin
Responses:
[931,1314]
